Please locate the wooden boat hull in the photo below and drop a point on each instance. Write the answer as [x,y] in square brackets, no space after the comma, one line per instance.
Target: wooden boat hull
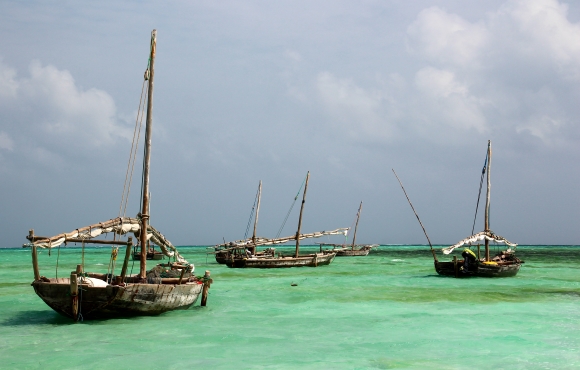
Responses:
[150,256]
[116,301]
[312,260]
[352,253]
[503,269]
[220,257]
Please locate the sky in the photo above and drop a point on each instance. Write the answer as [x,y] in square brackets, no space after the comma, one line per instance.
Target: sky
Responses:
[261,90]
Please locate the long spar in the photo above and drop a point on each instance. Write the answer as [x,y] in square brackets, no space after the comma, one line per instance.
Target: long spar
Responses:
[356,226]
[300,218]
[147,158]
[256,219]
[416,215]
[487,200]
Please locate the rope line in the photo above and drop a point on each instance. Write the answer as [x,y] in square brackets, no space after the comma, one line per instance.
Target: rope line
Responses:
[57,258]
[132,152]
[290,210]
[251,214]
[135,153]
[479,194]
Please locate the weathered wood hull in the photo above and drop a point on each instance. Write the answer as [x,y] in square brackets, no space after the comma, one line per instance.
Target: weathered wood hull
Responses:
[157,256]
[117,301]
[352,253]
[220,257]
[503,269]
[312,260]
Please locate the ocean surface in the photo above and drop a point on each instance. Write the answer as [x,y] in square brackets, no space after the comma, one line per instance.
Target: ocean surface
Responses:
[389,310]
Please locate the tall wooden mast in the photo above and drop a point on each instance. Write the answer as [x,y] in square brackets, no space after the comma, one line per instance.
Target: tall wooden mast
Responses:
[356,226]
[256,219]
[300,218]
[487,199]
[147,158]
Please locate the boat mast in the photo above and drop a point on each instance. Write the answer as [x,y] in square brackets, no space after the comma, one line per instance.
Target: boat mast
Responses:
[356,226]
[300,218]
[256,220]
[487,198]
[147,158]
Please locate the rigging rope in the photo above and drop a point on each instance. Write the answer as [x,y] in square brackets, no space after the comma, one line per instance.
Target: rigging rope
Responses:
[251,214]
[133,152]
[57,258]
[479,194]
[290,210]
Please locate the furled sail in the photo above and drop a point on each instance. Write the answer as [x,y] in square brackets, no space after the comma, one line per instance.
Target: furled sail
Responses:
[265,241]
[121,226]
[489,235]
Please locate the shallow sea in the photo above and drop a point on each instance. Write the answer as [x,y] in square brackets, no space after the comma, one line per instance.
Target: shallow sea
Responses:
[388,310]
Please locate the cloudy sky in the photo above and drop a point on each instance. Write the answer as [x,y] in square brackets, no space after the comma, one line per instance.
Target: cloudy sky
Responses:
[262,90]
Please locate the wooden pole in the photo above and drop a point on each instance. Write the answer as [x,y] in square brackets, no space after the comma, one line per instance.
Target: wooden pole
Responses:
[34,257]
[206,284]
[356,226]
[147,158]
[182,273]
[74,289]
[418,219]
[94,241]
[487,199]
[256,220]
[300,218]
[126,260]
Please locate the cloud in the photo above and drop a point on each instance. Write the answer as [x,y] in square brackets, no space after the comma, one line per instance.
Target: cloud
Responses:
[360,112]
[8,84]
[6,142]
[447,38]
[543,31]
[511,64]
[49,110]
[531,32]
[449,101]
[504,74]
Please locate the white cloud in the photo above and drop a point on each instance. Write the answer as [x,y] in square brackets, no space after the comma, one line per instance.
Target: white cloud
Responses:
[48,109]
[8,84]
[293,55]
[357,110]
[447,38]
[6,142]
[523,50]
[522,31]
[449,100]
[542,30]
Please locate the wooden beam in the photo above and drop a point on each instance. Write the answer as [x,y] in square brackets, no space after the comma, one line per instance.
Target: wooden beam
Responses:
[94,241]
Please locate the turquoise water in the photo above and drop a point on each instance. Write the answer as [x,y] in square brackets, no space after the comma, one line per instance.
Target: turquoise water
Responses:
[388,310]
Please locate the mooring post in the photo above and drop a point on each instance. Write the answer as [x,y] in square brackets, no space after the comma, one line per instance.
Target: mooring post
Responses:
[34,256]
[74,290]
[126,260]
[206,283]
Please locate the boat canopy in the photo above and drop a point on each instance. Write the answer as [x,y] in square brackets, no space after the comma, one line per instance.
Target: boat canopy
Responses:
[265,241]
[121,226]
[489,235]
